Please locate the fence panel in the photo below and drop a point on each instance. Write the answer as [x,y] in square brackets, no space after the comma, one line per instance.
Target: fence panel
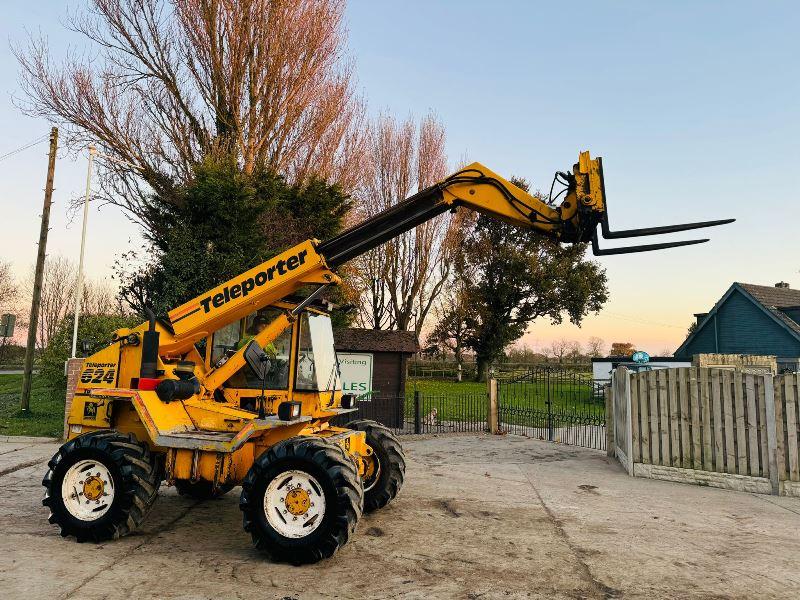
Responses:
[636,438]
[752,424]
[790,385]
[780,430]
[722,421]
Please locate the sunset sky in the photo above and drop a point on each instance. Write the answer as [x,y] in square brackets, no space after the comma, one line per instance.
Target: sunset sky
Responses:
[692,105]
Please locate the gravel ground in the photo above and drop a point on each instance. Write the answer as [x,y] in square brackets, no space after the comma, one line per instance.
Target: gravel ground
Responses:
[479,517]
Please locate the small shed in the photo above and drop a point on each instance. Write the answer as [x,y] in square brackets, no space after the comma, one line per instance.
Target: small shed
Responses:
[374,361]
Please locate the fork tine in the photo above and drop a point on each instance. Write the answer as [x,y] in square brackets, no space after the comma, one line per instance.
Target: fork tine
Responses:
[627,233]
[598,251]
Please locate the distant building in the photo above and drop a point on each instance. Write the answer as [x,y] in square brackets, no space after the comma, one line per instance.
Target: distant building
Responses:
[603,366]
[753,320]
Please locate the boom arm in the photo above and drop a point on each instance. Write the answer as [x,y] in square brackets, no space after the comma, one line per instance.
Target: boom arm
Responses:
[480,189]
[475,187]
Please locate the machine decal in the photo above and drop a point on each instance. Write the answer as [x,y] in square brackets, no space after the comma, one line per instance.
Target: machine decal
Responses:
[101,370]
[90,410]
[99,373]
[244,287]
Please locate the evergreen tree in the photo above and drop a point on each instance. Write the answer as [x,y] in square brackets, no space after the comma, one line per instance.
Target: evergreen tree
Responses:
[227,222]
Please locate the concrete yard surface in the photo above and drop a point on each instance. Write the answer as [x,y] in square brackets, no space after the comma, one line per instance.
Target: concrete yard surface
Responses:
[479,517]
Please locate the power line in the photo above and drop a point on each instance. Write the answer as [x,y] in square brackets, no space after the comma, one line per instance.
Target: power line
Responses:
[25,147]
[643,321]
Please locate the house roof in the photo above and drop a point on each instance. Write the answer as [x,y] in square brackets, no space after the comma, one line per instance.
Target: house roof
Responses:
[770,299]
[774,299]
[372,340]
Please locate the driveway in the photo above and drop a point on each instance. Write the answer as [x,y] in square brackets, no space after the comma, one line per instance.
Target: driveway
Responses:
[479,517]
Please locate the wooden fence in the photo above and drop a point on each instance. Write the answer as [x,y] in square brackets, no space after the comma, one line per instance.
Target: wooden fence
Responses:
[719,427]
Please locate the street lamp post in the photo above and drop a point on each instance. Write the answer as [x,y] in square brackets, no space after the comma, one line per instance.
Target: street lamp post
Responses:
[79,287]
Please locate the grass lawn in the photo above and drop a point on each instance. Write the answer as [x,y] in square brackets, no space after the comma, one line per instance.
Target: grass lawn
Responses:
[46,415]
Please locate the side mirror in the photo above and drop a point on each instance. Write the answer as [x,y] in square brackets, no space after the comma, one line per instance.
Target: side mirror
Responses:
[258,360]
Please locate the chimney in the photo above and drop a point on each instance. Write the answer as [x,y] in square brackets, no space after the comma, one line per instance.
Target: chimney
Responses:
[782,285]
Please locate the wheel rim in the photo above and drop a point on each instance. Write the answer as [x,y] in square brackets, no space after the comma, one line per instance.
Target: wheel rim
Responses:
[372,471]
[87,490]
[294,504]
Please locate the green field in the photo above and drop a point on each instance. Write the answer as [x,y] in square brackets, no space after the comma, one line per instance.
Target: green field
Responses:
[46,415]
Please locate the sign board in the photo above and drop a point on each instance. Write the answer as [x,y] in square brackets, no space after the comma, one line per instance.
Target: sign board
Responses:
[356,372]
[7,325]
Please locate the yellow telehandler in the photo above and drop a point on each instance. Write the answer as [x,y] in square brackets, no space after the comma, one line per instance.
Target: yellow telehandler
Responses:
[239,385]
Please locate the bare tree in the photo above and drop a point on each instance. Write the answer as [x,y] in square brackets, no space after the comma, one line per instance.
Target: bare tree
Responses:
[595,347]
[563,348]
[8,288]
[400,281]
[58,296]
[58,287]
[451,327]
[99,298]
[9,304]
[175,81]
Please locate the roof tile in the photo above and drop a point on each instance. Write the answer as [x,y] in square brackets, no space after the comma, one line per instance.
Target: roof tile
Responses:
[372,340]
[774,299]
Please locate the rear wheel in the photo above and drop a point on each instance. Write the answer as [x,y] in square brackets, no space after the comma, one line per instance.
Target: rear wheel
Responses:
[202,490]
[385,468]
[301,500]
[101,485]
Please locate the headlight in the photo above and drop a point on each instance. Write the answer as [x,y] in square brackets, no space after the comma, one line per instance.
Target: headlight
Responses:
[288,411]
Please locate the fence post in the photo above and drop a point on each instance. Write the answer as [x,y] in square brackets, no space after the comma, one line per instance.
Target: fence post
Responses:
[610,421]
[772,435]
[494,424]
[549,403]
[417,412]
[628,420]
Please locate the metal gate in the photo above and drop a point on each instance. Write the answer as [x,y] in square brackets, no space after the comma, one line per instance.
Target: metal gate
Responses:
[555,404]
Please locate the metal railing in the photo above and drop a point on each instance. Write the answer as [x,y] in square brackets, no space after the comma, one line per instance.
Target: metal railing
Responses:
[554,404]
[418,413]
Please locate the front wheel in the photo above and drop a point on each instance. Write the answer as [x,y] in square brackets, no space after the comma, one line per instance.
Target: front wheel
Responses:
[301,500]
[385,468]
[101,485]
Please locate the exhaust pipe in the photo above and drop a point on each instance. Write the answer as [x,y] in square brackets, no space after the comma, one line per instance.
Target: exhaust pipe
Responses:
[150,341]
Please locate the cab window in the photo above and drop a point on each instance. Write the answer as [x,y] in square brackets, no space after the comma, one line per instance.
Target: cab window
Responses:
[225,342]
[232,340]
[317,368]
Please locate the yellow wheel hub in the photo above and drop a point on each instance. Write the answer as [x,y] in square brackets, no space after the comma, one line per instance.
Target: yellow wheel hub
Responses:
[298,501]
[93,488]
[370,467]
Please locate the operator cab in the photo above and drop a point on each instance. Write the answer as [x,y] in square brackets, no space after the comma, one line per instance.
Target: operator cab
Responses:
[302,359]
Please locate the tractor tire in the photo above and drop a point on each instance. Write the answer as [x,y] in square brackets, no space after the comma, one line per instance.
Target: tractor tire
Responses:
[301,500]
[101,485]
[388,467]
[202,490]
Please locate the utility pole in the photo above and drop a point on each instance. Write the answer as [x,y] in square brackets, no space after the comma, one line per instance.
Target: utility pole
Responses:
[39,274]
